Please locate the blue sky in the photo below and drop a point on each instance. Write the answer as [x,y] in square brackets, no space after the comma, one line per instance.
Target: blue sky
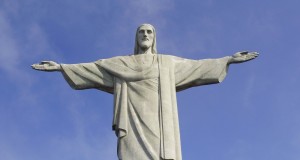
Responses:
[252,115]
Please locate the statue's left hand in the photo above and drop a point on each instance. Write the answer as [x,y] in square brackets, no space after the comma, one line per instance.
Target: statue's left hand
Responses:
[244,56]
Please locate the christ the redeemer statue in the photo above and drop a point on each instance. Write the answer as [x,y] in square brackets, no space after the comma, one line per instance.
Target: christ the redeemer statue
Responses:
[144,86]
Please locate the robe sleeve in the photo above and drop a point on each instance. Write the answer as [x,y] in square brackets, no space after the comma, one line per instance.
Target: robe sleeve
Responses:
[191,73]
[88,75]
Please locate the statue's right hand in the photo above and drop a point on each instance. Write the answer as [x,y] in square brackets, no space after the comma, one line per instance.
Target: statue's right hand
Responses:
[48,66]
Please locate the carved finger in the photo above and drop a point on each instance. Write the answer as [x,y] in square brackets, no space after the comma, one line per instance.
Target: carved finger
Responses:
[39,67]
[255,53]
[252,57]
[35,66]
[244,52]
[45,62]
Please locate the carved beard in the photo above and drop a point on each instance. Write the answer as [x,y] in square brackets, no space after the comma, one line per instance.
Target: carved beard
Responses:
[144,45]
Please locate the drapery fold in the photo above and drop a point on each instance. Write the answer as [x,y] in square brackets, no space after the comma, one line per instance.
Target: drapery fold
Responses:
[172,73]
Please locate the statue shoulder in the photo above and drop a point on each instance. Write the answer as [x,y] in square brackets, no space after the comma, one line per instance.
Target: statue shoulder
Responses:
[116,58]
[168,56]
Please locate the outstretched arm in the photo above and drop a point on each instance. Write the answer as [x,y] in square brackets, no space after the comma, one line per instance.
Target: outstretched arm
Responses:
[190,73]
[80,76]
[48,66]
[241,57]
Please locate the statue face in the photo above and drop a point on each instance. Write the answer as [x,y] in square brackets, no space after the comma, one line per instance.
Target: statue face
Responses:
[145,37]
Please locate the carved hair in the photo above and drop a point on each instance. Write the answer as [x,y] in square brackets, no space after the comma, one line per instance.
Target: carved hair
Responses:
[137,46]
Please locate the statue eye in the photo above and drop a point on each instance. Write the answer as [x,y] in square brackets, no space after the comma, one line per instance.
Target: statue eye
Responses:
[149,31]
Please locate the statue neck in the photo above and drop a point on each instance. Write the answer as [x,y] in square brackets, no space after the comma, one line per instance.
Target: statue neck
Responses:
[145,50]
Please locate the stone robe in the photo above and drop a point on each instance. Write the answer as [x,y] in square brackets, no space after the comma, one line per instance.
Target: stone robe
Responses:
[145,108]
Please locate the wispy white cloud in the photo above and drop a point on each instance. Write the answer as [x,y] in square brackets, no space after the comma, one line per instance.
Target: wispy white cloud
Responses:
[9,51]
[11,62]
[248,92]
[11,7]
[11,142]
[18,48]
[264,25]
[15,51]
[36,41]
[7,152]
[81,144]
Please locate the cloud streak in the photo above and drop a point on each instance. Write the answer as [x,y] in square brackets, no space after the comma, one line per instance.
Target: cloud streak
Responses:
[9,56]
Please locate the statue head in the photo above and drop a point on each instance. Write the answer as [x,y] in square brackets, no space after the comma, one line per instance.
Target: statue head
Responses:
[145,38]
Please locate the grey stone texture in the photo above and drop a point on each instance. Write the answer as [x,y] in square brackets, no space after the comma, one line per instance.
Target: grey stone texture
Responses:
[144,87]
